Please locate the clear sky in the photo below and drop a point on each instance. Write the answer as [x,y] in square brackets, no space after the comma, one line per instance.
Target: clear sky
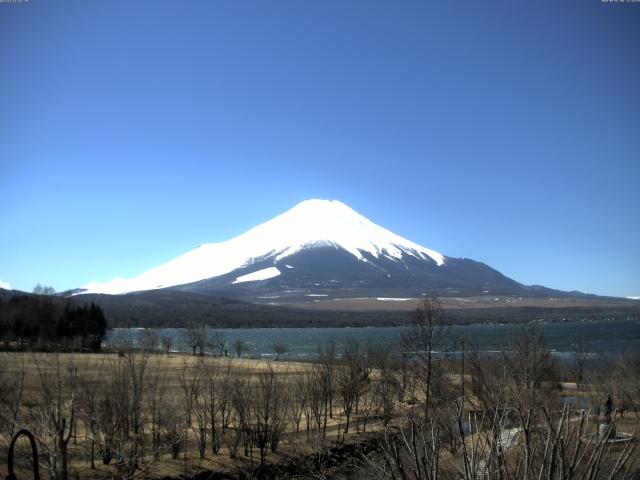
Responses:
[503,131]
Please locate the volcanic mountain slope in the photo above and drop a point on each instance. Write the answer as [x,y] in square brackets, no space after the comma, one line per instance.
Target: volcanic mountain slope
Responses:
[320,249]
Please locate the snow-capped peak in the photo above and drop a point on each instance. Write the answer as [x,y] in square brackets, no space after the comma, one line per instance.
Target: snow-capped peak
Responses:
[332,222]
[311,223]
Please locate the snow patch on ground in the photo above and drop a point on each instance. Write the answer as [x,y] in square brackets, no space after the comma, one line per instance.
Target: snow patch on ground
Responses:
[264,274]
[389,299]
[5,285]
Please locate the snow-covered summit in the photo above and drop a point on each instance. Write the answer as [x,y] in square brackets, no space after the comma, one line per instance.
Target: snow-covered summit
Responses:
[310,224]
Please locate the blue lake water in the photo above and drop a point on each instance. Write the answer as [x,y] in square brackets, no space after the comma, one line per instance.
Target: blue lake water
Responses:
[602,336]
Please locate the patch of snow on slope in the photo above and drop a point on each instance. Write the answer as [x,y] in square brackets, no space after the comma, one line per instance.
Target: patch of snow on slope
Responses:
[391,299]
[264,274]
[310,224]
[634,297]
[5,285]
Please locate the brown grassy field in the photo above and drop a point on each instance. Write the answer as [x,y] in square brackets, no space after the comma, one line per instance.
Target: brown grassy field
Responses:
[171,382]
[37,367]
[466,303]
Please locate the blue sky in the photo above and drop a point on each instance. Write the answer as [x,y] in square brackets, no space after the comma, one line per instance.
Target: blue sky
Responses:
[507,132]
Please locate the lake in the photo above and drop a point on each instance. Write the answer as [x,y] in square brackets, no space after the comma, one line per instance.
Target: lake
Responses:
[601,336]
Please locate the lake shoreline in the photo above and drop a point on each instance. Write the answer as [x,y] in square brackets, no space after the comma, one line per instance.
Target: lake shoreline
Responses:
[592,336]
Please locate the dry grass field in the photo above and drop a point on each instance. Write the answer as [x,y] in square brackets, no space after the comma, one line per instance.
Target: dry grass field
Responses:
[153,415]
[466,303]
[172,376]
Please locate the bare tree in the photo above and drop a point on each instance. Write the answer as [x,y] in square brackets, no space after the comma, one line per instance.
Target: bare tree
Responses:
[268,412]
[279,349]
[136,366]
[628,370]
[214,395]
[417,445]
[387,386]
[189,384]
[352,375]
[241,403]
[89,385]
[579,361]
[12,382]
[202,406]
[327,362]
[121,418]
[240,347]
[148,340]
[202,335]
[298,393]
[219,343]
[156,404]
[429,333]
[317,395]
[170,426]
[527,362]
[56,414]
[196,339]
[224,394]
[618,376]
[167,342]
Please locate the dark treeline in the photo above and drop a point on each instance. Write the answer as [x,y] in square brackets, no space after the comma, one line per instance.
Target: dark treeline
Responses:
[45,322]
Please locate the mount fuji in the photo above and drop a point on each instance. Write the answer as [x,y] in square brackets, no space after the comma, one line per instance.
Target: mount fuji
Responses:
[318,250]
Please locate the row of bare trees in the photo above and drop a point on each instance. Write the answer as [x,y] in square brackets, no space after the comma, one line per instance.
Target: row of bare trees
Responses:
[128,411]
[501,416]
[439,408]
[197,339]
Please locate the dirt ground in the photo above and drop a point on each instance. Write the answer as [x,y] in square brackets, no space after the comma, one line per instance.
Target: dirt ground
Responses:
[458,303]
